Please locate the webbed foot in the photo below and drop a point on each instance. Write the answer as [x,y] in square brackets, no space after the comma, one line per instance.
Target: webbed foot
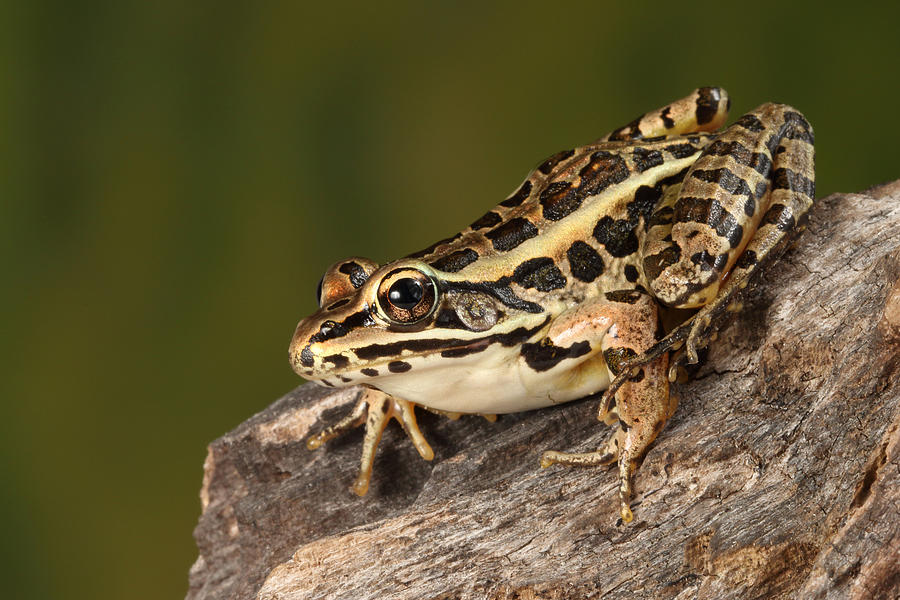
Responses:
[375,408]
[608,455]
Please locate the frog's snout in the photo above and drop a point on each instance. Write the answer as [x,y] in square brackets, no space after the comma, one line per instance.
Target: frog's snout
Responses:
[301,353]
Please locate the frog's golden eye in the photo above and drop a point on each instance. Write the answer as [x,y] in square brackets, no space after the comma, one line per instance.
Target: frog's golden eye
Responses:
[407,296]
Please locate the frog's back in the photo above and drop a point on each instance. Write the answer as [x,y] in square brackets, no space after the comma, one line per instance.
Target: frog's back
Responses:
[577,215]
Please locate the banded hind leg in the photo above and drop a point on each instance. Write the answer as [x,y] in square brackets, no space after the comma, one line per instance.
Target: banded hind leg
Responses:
[744,199]
[705,109]
[622,325]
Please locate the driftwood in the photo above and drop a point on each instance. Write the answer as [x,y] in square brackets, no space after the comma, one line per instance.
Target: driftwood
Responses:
[778,476]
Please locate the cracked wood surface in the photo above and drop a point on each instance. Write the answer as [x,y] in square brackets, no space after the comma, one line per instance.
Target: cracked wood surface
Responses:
[777,477]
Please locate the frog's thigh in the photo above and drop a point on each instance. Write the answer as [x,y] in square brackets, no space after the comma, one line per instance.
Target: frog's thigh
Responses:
[704,110]
[744,194]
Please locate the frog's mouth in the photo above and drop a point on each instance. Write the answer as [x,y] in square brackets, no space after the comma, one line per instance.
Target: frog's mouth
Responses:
[321,360]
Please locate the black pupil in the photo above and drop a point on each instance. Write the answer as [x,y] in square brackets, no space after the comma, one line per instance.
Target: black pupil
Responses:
[406,293]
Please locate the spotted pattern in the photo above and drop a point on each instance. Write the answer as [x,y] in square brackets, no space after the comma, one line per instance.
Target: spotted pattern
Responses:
[488,220]
[398,366]
[779,216]
[545,355]
[655,264]
[682,150]
[507,236]
[541,274]
[617,236]
[631,273]
[707,104]
[632,131]
[661,217]
[668,122]
[710,212]
[746,260]
[561,198]
[546,167]
[519,197]
[358,275]
[758,161]
[603,170]
[750,123]
[786,179]
[338,360]
[455,261]
[585,263]
[515,337]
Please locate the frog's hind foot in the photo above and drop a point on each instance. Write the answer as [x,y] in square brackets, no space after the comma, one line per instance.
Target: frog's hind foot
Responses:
[609,454]
[375,409]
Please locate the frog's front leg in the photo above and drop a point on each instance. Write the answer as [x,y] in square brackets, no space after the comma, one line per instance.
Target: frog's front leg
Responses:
[376,409]
[623,324]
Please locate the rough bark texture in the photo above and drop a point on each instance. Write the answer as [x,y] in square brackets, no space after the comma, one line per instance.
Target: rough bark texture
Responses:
[779,475]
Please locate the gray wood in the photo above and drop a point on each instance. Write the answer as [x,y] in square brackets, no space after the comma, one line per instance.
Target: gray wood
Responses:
[778,476]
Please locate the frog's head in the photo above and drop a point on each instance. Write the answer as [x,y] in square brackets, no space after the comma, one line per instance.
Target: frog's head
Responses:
[376,321]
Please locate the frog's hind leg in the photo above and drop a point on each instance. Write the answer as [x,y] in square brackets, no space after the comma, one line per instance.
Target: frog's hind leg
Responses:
[704,110]
[375,409]
[741,202]
[740,205]
[643,405]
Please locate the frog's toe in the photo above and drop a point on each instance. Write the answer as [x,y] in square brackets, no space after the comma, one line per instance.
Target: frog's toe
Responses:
[605,456]
[576,459]
[627,468]
[701,334]
[352,420]
[405,412]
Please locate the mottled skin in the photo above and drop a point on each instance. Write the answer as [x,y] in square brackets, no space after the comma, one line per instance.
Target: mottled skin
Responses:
[555,293]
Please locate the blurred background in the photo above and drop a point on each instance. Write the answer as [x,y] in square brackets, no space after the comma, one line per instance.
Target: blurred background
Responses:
[176,177]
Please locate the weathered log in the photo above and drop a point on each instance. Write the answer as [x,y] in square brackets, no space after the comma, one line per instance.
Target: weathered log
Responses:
[778,476]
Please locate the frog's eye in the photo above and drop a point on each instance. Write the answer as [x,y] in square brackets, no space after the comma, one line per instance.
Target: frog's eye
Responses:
[406,296]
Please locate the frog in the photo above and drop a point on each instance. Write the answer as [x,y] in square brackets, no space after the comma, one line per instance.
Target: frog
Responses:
[557,293]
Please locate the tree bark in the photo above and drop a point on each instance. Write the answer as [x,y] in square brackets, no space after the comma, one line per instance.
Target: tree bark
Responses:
[777,477]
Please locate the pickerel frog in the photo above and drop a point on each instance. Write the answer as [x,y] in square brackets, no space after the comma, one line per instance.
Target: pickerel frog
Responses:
[556,293]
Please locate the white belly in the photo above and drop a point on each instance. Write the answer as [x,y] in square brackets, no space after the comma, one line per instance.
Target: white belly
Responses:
[495,381]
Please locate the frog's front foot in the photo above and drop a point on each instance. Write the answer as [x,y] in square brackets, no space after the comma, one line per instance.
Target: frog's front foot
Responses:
[375,408]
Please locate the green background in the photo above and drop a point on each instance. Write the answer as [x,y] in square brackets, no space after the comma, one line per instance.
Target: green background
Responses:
[175,179]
